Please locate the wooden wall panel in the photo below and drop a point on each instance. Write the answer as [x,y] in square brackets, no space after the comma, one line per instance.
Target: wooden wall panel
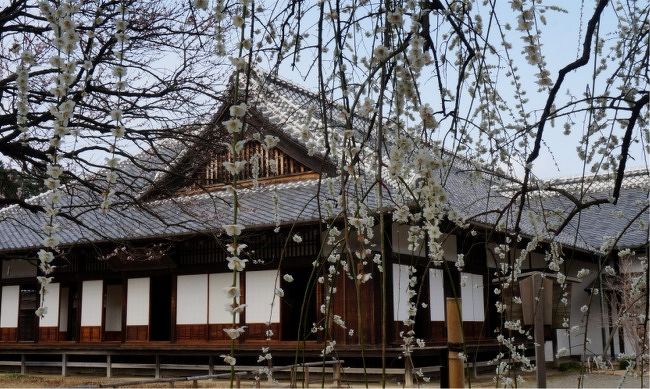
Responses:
[394,331]
[137,333]
[345,305]
[191,332]
[48,334]
[91,334]
[438,332]
[473,330]
[258,331]
[113,336]
[399,327]
[8,334]
[215,331]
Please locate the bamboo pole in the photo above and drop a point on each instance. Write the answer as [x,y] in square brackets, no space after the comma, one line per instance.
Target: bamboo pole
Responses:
[336,374]
[455,341]
[540,357]
[305,377]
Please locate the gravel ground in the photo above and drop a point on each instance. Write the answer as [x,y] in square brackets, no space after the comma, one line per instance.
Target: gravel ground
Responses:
[555,379]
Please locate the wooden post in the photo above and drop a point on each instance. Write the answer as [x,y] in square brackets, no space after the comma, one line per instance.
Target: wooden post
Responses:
[64,364]
[269,377]
[109,366]
[23,365]
[456,371]
[336,375]
[258,384]
[556,360]
[157,370]
[408,372]
[292,377]
[210,365]
[305,377]
[475,369]
[444,368]
[237,381]
[540,357]
[195,383]
[455,342]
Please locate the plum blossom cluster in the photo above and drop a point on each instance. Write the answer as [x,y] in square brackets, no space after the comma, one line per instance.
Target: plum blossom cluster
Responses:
[119,72]
[409,341]
[513,338]
[515,359]
[22,86]
[236,249]
[555,260]
[333,266]
[63,26]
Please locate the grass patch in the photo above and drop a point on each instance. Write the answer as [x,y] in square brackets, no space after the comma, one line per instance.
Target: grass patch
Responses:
[12,376]
[623,363]
[570,366]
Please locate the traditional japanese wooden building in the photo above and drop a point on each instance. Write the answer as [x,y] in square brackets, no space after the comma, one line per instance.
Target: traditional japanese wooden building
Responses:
[147,276]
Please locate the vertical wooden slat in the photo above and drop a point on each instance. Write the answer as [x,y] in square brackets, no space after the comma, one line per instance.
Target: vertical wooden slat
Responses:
[336,374]
[214,173]
[157,368]
[64,365]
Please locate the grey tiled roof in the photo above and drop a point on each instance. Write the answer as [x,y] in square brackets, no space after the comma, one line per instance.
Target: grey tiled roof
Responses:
[182,215]
[290,108]
[592,225]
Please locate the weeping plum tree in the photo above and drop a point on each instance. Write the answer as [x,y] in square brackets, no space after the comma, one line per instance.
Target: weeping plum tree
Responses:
[85,84]
[408,90]
[86,80]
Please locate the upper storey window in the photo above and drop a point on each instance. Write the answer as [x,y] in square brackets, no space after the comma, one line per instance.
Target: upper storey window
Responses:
[262,164]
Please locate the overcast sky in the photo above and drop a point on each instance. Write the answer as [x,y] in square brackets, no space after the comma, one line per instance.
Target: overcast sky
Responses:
[562,38]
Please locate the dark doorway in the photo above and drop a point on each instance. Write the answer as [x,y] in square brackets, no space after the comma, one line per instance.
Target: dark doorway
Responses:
[74,313]
[422,325]
[452,281]
[291,305]
[160,322]
[69,312]
[27,313]
[113,299]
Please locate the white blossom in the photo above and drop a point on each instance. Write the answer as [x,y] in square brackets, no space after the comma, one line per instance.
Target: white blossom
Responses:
[229,360]
[232,292]
[236,264]
[233,229]
[395,18]
[234,333]
[238,111]
[583,273]
[201,4]
[237,21]
[233,126]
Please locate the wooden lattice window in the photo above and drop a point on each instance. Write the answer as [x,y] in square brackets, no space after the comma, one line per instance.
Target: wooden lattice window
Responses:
[214,173]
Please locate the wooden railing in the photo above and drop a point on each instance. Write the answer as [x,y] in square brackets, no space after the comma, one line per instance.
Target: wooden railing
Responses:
[298,373]
[172,380]
[244,371]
